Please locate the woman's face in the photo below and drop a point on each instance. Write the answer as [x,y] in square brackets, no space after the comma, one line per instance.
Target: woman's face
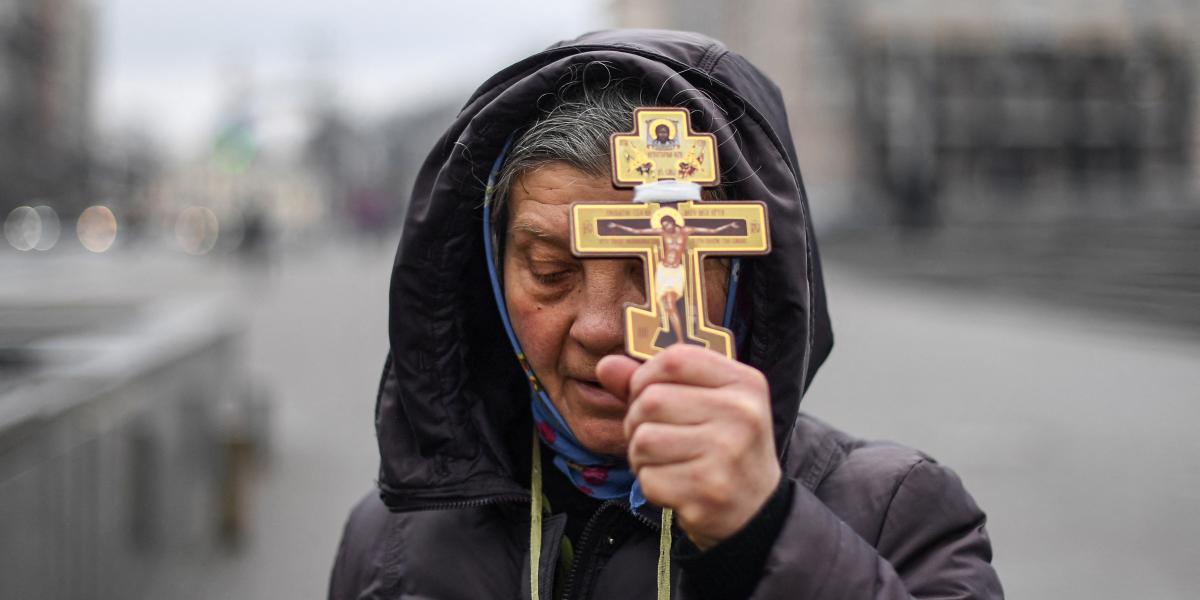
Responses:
[568,313]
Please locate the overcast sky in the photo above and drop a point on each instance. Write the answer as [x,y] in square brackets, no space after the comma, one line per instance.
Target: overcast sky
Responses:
[166,67]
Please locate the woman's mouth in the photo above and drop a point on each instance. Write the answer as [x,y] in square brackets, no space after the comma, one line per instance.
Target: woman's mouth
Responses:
[596,399]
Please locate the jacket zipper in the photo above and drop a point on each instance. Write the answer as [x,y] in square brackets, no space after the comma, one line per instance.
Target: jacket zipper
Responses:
[503,499]
[582,553]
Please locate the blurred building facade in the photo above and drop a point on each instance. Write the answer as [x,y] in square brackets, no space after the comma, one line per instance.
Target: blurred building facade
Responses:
[918,112]
[46,89]
[287,155]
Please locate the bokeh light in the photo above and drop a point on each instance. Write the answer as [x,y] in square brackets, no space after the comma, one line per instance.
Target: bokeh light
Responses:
[196,230]
[97,228]
[23,228]
[51,228]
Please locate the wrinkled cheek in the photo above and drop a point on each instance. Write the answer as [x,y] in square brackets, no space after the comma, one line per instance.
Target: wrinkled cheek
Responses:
[540,333]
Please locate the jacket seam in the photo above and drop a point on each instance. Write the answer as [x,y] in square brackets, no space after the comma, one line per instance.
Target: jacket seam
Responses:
[887,511]
[437,261]
[712,55]
[820,466]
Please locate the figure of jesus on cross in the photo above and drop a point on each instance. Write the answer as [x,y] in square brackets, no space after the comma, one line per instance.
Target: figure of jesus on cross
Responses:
[672,238]
[670,276]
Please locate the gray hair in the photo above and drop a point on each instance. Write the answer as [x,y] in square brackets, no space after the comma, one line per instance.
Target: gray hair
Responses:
[591,103]
[573,128]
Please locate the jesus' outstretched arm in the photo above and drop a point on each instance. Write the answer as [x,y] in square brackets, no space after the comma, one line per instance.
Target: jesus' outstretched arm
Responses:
[627,229]
[710,230]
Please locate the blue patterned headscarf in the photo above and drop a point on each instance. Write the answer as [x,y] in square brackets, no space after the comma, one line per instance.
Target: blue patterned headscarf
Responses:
[597,475]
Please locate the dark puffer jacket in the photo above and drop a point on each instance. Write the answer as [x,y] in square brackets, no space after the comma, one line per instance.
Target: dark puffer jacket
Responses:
[450,519]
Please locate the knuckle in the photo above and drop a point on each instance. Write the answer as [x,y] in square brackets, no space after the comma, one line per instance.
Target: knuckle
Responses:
[728,445]
[636,447]
[672,363]
[713,487]
[758,379]
[645,439]
[657,492]
[749,410]
[742,412]
[661,398]
[693,516]
[652,400]
[717,495]
[755,380]
[650,489]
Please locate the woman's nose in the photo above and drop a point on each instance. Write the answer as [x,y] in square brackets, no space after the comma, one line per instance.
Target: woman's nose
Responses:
[609,284]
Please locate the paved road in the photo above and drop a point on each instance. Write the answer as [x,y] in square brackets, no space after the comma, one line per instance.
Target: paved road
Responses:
[316,342]
[1078,437]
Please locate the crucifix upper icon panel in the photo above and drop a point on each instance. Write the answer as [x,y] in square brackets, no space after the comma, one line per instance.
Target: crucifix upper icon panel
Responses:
[663,147]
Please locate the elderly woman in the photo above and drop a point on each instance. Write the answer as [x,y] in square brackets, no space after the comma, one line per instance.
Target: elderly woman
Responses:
[506,355]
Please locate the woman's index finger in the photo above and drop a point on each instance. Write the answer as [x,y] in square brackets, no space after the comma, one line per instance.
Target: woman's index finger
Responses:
[687,365]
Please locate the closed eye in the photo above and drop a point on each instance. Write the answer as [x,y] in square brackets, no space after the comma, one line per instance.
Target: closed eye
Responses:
[553,278]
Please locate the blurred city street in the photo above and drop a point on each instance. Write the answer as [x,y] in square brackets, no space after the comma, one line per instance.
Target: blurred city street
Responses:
[1076,435]
[200,205]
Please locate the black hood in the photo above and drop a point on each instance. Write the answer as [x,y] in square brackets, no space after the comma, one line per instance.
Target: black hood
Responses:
[452,415]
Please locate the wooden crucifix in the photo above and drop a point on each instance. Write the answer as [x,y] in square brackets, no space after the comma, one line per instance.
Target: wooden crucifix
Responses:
[670,229]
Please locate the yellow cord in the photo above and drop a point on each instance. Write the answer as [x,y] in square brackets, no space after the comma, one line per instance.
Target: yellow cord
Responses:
[664,557]
[535,519]
[535,534]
